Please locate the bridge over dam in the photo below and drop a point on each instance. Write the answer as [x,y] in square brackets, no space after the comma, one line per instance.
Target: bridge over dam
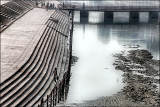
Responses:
[134,11]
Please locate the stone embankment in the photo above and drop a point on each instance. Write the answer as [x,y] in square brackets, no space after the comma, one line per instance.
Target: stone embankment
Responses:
[44,72]
[13,10]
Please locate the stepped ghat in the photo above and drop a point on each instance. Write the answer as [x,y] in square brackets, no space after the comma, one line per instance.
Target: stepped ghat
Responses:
[13,10]
[35,55]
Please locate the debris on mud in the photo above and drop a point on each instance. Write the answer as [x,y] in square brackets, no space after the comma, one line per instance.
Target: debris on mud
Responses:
[141,79]
[74,60]
[141,73]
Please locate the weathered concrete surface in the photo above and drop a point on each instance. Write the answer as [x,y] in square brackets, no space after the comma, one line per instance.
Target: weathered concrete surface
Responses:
[19,40]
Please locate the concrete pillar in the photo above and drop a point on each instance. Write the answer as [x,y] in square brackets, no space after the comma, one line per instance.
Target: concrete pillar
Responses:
[153,17]
[159,18]
[83,16]
[134,17]
[108,17]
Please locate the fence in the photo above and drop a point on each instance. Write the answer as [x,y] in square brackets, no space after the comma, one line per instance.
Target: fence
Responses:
[67,6]
[62,86]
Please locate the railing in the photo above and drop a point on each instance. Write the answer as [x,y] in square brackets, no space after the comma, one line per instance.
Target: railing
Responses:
[108,8]
[59,91]
[61,88]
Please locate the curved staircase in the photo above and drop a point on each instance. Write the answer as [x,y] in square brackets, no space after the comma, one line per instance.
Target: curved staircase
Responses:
[13,10]
[35,79]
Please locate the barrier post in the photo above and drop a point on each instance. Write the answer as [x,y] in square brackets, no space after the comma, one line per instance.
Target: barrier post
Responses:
[53,98]
[47,100]
[42,100]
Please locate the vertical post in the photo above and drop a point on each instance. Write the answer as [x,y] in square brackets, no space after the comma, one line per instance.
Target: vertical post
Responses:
[71,35]
[53,101]
[51,98]
[108,17]
[60,93]
[84,16]
[47,100]
[42,100]
[65,88]
[56,97]
[63,5]
[153,17]
[134,17]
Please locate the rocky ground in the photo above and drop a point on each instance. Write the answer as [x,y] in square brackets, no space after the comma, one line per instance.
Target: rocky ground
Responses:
[74,60]
[141,76]
[141,73]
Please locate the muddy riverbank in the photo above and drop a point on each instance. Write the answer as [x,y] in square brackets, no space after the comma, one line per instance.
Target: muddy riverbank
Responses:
[141,76]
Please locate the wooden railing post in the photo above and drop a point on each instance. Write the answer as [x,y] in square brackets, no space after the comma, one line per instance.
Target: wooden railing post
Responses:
[42,101]
[53,98]
[56,97]
[47,100]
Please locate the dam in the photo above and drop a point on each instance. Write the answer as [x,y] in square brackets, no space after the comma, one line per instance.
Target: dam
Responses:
[79,53]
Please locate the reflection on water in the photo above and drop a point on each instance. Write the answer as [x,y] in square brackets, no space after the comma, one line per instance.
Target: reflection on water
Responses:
[94,75]
[147,36]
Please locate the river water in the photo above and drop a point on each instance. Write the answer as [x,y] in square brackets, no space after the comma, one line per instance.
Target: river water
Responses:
[93,75]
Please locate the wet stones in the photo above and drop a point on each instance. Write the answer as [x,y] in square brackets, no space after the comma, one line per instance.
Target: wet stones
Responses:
[74,59]
[140,71]
[142,54]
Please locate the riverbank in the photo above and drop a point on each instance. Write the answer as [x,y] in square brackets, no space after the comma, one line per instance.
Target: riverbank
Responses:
[141,79]
[141,74]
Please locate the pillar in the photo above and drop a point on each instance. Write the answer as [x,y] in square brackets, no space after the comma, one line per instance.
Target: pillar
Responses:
[134,17]
[153,17]
[83,16]
[108,17]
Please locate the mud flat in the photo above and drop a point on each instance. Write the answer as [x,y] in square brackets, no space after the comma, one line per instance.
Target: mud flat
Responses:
[141,76]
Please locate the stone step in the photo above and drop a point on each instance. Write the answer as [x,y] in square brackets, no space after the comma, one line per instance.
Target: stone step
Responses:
[15,7]
[5,15]
[53,84]
[35,78]
[31,60]
[46,83]
[24,4]
[8,12]
[26,80]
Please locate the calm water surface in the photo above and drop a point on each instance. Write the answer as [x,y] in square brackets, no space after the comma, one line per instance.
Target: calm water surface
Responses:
[93,75]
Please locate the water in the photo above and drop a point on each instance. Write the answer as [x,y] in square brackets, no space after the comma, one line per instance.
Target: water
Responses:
[93,75]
